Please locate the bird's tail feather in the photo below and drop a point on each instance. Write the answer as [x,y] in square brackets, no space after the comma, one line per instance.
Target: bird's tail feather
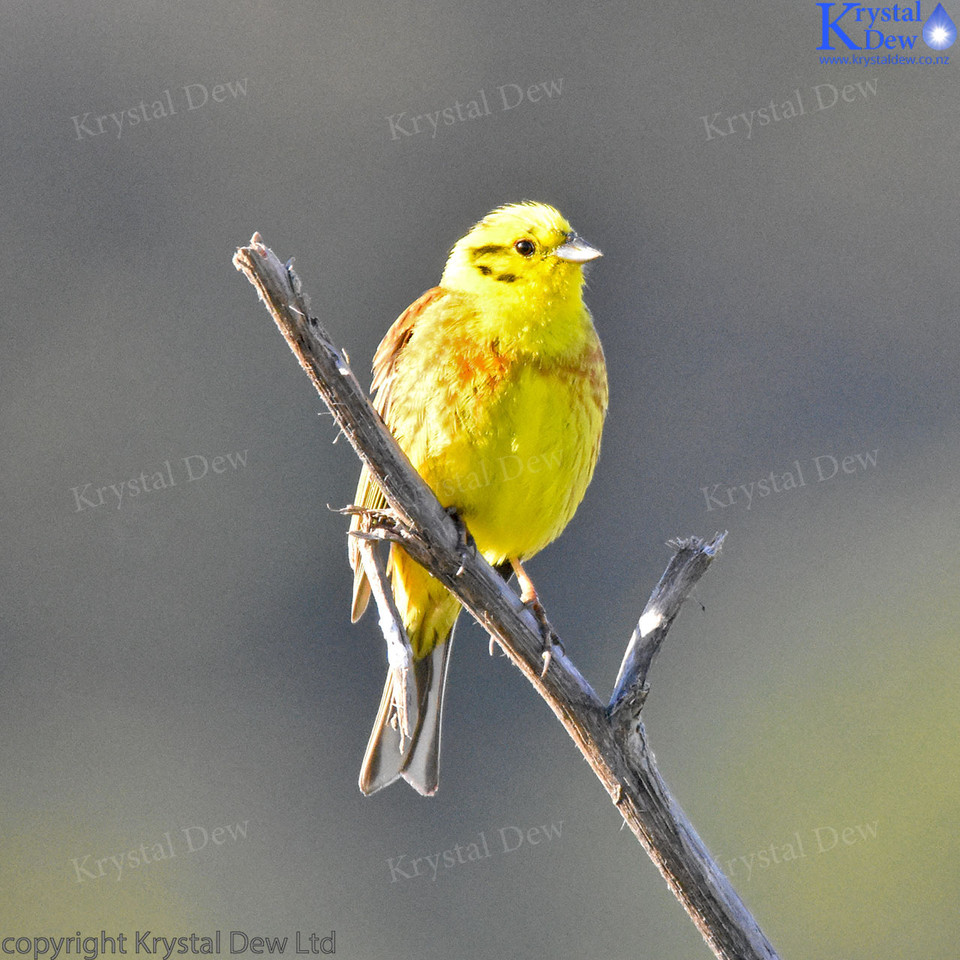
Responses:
[415,758]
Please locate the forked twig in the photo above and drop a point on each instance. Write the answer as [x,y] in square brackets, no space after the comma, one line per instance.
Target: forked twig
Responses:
[611,737]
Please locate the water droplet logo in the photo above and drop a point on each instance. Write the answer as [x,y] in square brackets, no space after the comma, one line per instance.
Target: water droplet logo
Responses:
[939,32]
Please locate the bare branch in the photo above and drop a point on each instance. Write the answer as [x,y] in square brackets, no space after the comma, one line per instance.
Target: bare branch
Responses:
[614,742]
[687,566]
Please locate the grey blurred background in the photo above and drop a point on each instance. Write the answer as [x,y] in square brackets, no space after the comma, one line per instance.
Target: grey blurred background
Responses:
[771,300]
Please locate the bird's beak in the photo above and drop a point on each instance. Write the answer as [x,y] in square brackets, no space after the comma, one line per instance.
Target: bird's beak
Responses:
[576,250]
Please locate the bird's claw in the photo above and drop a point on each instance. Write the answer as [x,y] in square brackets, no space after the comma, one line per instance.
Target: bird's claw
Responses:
[372,517]
[547,633]
[547,657]
[466,546]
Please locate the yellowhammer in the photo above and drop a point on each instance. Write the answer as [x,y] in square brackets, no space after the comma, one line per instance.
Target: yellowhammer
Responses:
[494,384]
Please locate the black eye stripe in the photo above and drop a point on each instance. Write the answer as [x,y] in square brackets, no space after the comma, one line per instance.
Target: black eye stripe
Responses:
[487,250]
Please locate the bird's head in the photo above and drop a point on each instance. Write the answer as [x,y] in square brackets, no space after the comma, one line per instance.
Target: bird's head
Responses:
[524,250]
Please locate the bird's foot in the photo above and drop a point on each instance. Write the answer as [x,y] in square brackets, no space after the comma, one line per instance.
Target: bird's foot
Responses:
[466,546]
[372,517]
[528,595]
[547,634]
[374,523]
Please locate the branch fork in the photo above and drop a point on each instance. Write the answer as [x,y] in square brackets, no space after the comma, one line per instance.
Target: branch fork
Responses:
[611,736]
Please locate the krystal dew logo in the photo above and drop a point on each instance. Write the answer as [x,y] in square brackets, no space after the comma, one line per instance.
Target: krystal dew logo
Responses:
[512,95]
[511,839]
[826,839]
[840,20]
[195,96]
[195,467]
[720,496]
[144,943]
[195,838]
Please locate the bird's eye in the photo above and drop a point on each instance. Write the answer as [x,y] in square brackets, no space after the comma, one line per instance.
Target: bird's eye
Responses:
[525,248]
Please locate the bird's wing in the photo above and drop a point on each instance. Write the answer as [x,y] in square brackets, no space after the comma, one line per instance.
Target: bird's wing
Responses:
[385,366]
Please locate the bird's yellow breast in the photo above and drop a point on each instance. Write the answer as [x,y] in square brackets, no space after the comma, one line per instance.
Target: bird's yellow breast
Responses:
[507,433]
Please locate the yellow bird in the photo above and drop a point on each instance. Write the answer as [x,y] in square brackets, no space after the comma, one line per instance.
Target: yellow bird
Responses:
[495,386]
